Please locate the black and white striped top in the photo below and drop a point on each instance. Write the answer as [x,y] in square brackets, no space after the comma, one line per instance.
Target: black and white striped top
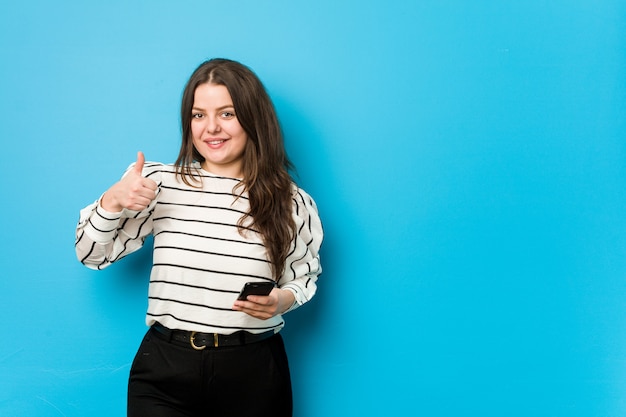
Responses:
[200,260]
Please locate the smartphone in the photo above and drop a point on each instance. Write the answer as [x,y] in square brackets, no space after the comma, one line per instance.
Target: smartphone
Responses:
[255,288]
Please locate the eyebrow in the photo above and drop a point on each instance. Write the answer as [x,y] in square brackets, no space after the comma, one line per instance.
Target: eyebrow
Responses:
[227,106]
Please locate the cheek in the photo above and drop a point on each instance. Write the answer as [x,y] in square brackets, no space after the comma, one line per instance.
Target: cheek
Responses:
[241,134]
[194,129]
[236,129]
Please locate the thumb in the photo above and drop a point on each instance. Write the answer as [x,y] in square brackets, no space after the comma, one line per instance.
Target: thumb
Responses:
[138,168]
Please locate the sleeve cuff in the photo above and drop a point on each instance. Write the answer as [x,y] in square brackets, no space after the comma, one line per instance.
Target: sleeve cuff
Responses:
[103,224]
[295,304]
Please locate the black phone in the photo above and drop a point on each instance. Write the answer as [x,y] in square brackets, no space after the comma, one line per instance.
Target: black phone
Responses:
[255,288]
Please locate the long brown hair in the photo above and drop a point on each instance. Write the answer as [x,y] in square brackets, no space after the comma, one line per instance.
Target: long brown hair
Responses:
[265,163]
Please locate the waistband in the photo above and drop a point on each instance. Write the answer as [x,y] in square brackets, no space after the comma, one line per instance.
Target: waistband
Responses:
[200,341]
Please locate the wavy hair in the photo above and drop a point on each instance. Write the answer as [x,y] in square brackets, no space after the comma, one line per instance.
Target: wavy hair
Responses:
[266,166]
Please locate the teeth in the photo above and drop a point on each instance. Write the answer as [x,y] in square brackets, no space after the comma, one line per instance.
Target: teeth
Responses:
[215,142]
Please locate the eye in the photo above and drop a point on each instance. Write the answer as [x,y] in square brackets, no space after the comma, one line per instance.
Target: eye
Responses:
[227,115]
[197,115]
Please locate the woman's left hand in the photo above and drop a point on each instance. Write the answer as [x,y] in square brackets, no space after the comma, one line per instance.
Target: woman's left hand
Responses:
[266,306]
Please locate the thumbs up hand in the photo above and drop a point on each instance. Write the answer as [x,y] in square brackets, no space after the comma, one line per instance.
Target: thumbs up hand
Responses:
[141,160]
[133,191]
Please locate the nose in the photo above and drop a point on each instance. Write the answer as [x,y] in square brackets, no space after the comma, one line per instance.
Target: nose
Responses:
[212,125]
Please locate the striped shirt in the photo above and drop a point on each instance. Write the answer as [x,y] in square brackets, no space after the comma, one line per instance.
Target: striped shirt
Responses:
[200,259]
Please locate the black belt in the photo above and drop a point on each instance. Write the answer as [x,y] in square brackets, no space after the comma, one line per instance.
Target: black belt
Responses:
[200,341]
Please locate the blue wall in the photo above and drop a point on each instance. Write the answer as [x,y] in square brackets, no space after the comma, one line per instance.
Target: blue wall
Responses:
[468,159]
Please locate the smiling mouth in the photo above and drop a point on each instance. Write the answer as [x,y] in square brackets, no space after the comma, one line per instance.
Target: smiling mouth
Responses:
[215,142]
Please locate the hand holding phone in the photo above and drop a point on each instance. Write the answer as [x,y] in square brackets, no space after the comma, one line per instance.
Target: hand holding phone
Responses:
[255,288]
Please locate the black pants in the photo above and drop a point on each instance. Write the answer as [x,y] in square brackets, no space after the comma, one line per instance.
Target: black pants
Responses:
[168,379]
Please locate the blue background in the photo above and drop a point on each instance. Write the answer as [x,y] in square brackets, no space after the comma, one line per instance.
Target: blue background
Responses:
[467,158]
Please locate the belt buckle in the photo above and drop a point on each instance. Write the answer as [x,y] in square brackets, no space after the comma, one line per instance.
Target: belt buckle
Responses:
[192,340]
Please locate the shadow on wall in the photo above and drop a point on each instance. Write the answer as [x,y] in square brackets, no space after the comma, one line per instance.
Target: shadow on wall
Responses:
[306,151]
[310,329]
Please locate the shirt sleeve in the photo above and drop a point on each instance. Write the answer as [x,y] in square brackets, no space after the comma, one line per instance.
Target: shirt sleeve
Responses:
[303,265]
[104,237]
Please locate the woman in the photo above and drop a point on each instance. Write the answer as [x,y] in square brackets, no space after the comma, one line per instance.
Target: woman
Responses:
[224,214]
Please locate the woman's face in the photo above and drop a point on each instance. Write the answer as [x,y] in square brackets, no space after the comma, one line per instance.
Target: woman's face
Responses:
[217,134]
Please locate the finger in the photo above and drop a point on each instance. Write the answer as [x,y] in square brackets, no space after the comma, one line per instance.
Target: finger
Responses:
[150,184]
[246,305]
[145,195]
[262,300]
[142,203]
[264,310]
[141,200]
[263,315]
[141,160]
